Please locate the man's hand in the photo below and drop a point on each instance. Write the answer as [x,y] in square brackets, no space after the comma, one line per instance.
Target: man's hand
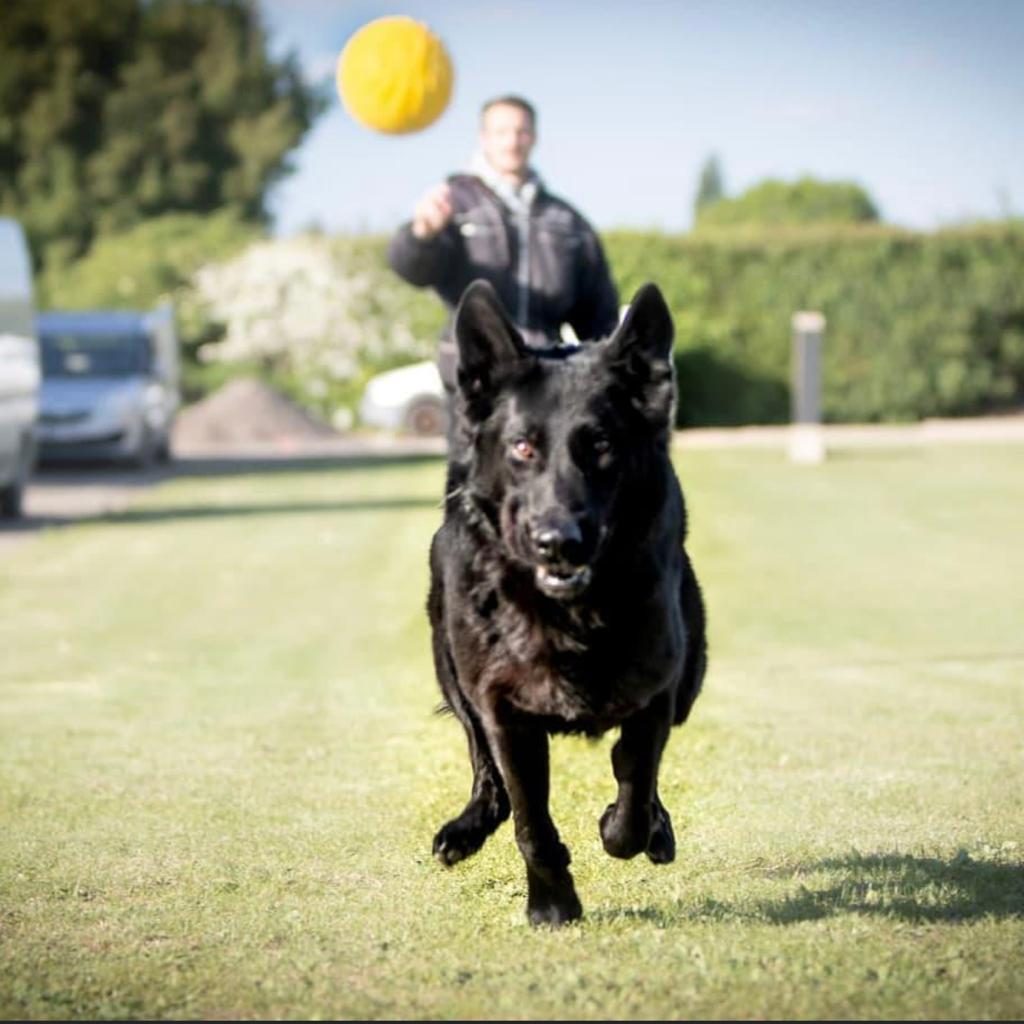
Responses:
[433,212]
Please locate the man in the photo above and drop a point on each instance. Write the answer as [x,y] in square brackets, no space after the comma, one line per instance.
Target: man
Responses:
[500,223]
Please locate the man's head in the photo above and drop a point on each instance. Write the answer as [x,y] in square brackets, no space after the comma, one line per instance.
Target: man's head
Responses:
[508,131]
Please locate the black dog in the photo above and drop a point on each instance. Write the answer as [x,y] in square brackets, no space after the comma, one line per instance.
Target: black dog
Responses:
[561,598]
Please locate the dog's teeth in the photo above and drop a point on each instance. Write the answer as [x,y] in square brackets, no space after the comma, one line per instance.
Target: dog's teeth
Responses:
[560,580]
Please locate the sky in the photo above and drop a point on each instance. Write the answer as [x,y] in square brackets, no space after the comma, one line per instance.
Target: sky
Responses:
[920,102]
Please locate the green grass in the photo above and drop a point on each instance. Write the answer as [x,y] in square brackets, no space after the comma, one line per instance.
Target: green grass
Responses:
[220,772]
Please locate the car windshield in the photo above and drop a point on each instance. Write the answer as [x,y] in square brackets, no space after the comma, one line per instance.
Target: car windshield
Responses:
[67,354]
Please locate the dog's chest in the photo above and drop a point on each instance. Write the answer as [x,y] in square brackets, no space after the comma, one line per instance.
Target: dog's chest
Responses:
[574,668]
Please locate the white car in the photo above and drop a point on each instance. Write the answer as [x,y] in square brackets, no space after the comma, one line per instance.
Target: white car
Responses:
[20,373]
[409,400]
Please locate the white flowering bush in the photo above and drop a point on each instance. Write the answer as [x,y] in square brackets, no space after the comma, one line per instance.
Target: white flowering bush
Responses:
[316,314]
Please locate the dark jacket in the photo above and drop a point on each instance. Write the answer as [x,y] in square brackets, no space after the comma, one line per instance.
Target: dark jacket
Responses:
[563,278]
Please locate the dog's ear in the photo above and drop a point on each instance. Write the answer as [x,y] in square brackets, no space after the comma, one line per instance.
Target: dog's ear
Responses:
[490,347]
[640,353]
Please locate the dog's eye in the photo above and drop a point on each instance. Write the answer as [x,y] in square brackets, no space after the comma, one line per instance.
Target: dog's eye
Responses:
[523,450]
[602,451]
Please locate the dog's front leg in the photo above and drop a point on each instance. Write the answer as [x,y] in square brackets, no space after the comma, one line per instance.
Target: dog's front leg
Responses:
[521,749]
[637,822]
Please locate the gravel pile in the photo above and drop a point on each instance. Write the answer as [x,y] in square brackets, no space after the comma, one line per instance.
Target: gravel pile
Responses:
[244,411]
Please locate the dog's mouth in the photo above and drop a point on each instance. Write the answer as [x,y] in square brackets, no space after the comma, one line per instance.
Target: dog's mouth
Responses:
[562,582]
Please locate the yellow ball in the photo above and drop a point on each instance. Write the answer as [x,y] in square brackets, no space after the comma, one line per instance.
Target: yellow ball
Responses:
[394,76]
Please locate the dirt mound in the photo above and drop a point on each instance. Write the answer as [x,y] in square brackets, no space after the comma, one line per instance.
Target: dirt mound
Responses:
[246,410]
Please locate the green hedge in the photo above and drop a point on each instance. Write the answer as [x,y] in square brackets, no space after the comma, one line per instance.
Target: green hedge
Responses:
[917,324]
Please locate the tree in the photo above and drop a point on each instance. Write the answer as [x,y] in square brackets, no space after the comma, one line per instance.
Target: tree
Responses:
[807,201]
[116,111]
[710,188]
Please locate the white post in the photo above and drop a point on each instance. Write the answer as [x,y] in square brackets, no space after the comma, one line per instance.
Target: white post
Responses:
[806,441]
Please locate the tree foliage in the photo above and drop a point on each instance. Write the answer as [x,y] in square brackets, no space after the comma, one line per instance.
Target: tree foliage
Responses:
[711,187]
[148,263]
[806,201]
[116,111]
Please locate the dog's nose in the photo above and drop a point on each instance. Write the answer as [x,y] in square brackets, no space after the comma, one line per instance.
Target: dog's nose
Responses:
[558,541]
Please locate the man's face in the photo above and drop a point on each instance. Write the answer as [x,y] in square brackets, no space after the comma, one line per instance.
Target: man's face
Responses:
[507,138]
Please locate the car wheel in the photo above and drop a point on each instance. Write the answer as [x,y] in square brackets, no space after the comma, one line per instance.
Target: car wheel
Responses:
[163,450]
[145,455]
[12,500]
[425,417]
[12,496]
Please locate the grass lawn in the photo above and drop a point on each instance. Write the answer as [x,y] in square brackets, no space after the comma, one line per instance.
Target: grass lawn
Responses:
[220,771]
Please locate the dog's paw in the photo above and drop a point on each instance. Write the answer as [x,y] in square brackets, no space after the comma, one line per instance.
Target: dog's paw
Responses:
[455,841]
[625,835]
[463,836]
[553,905]
[554,914]
[621,837]
[661,847]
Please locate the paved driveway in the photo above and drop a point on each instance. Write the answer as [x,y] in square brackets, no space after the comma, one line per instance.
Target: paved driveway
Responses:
[58,496]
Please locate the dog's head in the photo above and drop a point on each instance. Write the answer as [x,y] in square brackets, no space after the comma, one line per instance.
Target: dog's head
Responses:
[561,441]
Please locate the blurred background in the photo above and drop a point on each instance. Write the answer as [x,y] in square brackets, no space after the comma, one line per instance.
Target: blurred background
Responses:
[754,158]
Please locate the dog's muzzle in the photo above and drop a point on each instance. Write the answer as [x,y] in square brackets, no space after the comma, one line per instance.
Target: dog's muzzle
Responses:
[561,571]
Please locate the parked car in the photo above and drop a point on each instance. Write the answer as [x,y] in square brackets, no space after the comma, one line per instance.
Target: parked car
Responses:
[19,369]
[111,385]
[409,400]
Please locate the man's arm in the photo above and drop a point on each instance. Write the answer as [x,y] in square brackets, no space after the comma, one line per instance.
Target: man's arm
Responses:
[421,250]
[418,261]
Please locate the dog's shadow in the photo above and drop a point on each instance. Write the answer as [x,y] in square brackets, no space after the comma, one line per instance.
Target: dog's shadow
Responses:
[901,886]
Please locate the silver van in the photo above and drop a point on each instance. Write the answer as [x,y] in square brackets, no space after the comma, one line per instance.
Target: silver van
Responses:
[19,369]
[111,384]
